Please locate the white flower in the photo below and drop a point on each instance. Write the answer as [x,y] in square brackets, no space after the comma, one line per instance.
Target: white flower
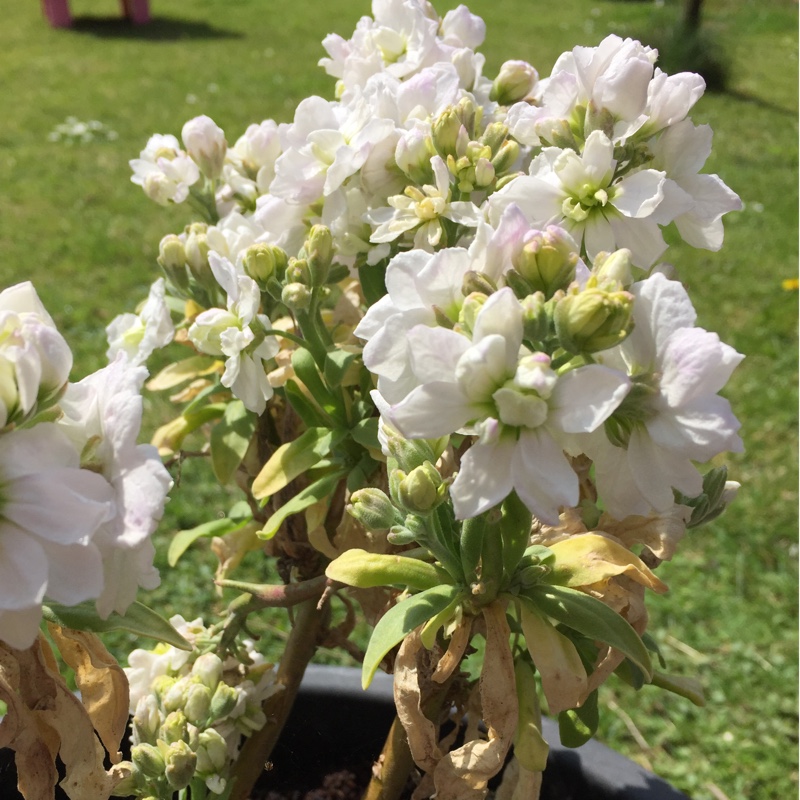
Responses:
[229,333]
[512,400]
[423,210]
[256,151]
[678,416]
[164,171]
[205,143]
[581,193]
[34,358]
[138,335]
[50,509]
[103,416]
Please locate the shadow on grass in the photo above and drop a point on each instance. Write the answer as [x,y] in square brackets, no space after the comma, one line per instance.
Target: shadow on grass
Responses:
[158,29]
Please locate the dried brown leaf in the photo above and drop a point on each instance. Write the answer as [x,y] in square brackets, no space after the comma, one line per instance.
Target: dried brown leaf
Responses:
[455,651]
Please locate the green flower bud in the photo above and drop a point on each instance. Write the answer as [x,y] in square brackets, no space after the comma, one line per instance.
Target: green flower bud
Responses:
[484,173]
[212,753]
[148,759]
[494,136]
[175,697]
[373,509]
[445,132]
[613,268]
[592,320]
[548,261]
[223,701]
[207,668]
[473,303]
[198,704]
[196,248]
[171,253]
[477,282]
[411,453]
[132,780]
[319,249]
[598,119]
[514,82]
[298,271]
[175,727]
[506,157]
[421,490]
[263,261]
[296,296]
[535,319]
[181,762]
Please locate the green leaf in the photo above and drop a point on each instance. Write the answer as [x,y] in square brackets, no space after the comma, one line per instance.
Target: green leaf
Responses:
[138,619]
[292,459]
[199,416]
[300,502]
[594,619]
[357,567]
[230,439]
[577,725]
[306,369]
[311,414]
[373,281]
[215,527]
[365,433]
[399,621]
[337,362]
[179,372]
[515,529]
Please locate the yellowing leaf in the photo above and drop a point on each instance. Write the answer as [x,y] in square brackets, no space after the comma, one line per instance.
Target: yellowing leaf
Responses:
[359,568]
[589,559]
[175,374]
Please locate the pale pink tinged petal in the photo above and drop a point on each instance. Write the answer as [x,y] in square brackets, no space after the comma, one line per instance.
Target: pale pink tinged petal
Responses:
[695,363]
[430,411]
[28,376]
[401,278]
[441,278]
[585,398]
[75,572]
[598,235]
[502,315]
[464,213]
[657,471]
[598,158]
[23,568]
[642,237]
[386,353]
[484,478]
[435,352]
[543,477]
[639,194]
[19,628]
[346,163]
[615,483]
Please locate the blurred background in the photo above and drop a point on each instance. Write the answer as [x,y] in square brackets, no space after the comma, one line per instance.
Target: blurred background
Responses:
[78,103]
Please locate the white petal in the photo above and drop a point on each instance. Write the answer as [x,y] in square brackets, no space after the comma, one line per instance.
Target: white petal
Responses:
[431,411]
[585,398]
[484,478]
[23,569]
[75,573]
[639,194]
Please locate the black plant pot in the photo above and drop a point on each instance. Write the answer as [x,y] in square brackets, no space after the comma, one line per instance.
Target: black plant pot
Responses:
[335,725]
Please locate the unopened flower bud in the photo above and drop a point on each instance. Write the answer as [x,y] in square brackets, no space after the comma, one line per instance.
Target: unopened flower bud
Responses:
[148,759]
[223,701]
[373,509]
[446,130]
[175,727]
[494,136]
[410,453]
[298,271]
[147,719]
[473,303]
[514,82]
[613,268]
[212,752]
[506,157]
[181,762]
[263,261]
[535,319]
[205,142]
[548,260]
[477,282]
[198,704]
[484,173]
[171,253]
[413,155]
[319,250]
[296,296]
[593,320]
[175,696]
[421,490]
[207,668]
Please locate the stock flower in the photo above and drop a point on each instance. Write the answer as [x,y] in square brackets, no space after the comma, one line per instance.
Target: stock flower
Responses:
[164,171]
[34,358]
[510,398]
[138,335]
[230,333]
[205,143]
[103,416]
[675,416]
[50,510]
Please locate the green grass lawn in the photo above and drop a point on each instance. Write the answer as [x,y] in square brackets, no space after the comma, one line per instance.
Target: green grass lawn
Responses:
[71,220]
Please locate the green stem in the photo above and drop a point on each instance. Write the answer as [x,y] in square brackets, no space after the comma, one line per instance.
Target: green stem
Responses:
[300,647]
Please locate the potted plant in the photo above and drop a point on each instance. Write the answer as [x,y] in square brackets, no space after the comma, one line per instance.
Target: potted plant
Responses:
[425,333]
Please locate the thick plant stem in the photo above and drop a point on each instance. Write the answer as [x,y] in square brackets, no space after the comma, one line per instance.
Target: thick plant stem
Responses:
[300,647]
[396,763]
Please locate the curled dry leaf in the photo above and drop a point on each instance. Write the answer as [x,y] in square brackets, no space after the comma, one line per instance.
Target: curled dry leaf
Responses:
[463,774]
[101,682]
[661,533]
[455,650]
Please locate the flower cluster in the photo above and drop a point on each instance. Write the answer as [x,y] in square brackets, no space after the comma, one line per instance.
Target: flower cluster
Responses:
[80,498]
[190,710]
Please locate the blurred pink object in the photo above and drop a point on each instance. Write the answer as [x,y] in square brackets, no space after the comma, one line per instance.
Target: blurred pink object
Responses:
[57,12]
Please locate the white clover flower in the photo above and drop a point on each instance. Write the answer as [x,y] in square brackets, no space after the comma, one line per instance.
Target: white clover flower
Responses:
[138,335]
[678,417]
[50,511]
[422,210]
[35,360]
[164,171]
[518,407]
[103,416]
[582,194]
[205,143]
[229,333]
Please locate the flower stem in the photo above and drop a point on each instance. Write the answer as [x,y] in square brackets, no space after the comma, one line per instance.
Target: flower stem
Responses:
[300,647]
[396,764]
